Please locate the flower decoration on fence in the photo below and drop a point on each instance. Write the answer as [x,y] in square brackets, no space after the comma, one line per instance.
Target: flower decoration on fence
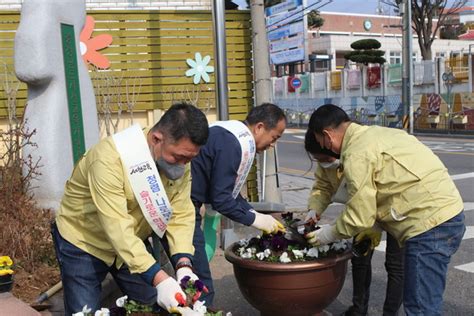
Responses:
[91,45]
[6,266]
[199,68]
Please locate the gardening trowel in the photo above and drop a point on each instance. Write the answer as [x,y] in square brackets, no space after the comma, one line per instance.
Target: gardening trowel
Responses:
[295,231]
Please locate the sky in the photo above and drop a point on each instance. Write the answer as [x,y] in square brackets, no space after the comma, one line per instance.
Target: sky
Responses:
[350,6]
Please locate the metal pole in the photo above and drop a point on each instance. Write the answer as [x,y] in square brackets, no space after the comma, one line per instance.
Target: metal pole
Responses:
[410,65]
[218,19]
[405,60]
[407,63]
[471,72]
[263,93]
[228,235]
[305,36]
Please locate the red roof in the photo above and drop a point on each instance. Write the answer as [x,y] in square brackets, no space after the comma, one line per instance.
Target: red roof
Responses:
[469,35]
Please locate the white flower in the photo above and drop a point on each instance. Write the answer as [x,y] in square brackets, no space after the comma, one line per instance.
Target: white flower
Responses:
[324,248]
[284,258]
[267,253]
[199,307]
[260,256]
[299,253]
[243,242]
[246,255]
[199,68]
[120,302]
[313,252]
[102,312]
[241,251]
[84,312]
[339,245]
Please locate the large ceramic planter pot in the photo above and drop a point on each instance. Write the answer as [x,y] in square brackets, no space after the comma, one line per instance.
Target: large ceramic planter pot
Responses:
[300,288]
[6,283]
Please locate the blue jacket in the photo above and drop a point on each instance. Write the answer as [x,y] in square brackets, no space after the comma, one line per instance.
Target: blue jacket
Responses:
[214,172]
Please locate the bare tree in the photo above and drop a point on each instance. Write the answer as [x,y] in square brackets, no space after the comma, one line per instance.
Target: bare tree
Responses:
[423,14]
[132,91]
[193,94]
[109,99]
[16,170]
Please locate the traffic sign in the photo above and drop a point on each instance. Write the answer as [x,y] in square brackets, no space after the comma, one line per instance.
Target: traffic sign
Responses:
[295,83]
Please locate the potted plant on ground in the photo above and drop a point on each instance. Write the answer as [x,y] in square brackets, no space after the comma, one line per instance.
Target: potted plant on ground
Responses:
[6,274]
[281,276]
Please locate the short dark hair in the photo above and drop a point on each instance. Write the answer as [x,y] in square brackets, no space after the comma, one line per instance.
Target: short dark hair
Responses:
[183,120]
[312,146]
[328,115]
[267,113]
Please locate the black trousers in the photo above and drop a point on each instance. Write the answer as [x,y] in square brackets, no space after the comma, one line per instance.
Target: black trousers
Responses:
[362,277]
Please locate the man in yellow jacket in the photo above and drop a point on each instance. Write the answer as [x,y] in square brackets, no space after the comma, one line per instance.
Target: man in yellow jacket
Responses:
[329,187]
[400,184]
[123,188]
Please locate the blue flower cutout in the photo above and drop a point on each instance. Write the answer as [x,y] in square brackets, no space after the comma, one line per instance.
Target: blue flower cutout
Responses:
[199,68]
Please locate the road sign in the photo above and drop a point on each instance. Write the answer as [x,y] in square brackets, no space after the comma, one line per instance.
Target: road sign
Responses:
[286,31]
[287,43]
[282,7]
[295,83]
[287,56]
[275,21]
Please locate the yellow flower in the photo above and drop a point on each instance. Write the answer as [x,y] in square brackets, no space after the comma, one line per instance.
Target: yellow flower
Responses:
[6,261]
[6,271]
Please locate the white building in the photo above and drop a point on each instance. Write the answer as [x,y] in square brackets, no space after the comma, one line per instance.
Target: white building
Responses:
[341,29]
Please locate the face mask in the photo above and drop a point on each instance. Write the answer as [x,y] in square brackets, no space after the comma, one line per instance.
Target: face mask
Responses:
[171,171]
[330,165]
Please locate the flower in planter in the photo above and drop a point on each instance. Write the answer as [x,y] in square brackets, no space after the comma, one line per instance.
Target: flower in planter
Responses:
[6,265]
[86,311]
[191,288]
[288,251]
[278,248]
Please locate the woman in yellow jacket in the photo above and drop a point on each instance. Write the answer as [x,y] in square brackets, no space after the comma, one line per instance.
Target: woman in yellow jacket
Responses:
[329,187]
[396,181]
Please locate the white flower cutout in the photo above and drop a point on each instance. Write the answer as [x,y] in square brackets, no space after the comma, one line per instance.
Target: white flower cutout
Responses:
[199,68]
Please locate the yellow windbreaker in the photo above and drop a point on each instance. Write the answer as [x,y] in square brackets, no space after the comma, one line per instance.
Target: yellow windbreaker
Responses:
[395,179]
[100,215]
[326,183]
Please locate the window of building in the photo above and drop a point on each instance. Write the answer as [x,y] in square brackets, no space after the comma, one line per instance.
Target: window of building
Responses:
[395,58]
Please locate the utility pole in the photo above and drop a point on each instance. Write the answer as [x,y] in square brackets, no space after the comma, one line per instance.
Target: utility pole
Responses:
[407,63]
[263,92]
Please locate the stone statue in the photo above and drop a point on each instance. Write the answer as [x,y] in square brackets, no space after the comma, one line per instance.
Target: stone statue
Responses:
[39,62]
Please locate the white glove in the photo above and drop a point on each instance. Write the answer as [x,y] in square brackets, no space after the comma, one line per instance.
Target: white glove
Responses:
[185,271]
[311,215]
[167,290]
[326,234]
[266,223]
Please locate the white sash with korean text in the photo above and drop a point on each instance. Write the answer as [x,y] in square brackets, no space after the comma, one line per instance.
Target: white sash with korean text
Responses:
[144,177]
[247,144]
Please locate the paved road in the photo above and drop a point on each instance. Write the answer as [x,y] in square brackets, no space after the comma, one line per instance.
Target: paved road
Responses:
[458,156]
